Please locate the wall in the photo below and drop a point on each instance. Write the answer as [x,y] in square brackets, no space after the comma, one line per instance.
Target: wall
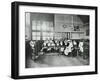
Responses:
[5,40]
[66,23]
[68,20]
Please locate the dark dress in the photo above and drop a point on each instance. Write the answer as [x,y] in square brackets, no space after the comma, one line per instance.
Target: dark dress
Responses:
[74,51]
[38,47]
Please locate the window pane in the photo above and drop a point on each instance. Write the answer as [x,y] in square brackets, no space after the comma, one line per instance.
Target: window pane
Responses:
[45,33]
[33,25]
[38,27]
[38,37]
[51,34]
[33,33]
[44,26]
[38,33]
[44,38]
[34,38]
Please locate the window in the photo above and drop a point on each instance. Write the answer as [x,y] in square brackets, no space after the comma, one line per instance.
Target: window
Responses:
[35,35]
[47,35]
[42,30]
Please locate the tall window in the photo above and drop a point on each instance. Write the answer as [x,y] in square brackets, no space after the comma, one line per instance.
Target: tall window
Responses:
[42,29]
[36,33]
[47,30]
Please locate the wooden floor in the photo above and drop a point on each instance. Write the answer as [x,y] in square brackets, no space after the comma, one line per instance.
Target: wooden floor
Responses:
[52,60]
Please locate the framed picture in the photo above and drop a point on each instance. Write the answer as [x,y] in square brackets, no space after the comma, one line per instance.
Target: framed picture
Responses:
[50,40]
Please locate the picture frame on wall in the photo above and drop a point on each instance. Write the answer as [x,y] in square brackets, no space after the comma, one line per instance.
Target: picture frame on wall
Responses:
[50,40]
